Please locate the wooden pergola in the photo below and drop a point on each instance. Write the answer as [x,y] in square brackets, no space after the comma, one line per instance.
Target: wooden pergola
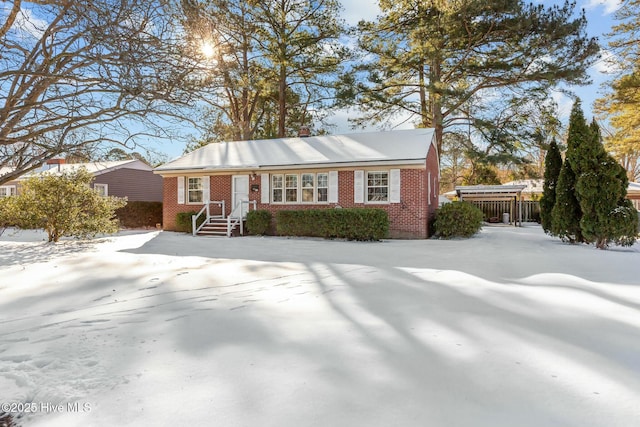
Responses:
[511,193]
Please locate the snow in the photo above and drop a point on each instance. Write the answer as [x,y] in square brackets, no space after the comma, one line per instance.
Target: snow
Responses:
[389,147]
[509,328]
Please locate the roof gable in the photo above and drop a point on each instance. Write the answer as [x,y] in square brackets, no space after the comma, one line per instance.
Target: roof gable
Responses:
[392,146]
[96,168]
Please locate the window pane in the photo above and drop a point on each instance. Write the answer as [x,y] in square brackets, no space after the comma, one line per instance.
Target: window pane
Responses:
[377,186]
[307,180]
[277,181]
[7,190]
[277,195]
[291,188]
[323,187]
[377,194]
[195,196]
[291,181]
[307,194]
[195,183]
[101,189]
[292,195]
[194,190]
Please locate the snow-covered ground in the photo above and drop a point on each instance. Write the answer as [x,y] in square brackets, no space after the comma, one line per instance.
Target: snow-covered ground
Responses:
[509,328]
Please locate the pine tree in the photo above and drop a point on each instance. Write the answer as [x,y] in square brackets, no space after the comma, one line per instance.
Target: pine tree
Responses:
[552,167]
[432,58]
[601,188]
[566,213]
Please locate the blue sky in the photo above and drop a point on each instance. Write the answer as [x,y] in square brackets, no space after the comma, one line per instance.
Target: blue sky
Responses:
[600,18]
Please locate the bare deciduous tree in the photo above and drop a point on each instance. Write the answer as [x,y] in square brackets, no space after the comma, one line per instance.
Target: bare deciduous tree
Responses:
[73,73]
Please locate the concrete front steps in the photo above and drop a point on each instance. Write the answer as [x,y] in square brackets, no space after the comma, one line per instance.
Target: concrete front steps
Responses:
[218,227]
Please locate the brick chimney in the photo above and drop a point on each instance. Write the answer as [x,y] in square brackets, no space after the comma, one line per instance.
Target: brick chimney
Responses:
[55,163]
[304,131]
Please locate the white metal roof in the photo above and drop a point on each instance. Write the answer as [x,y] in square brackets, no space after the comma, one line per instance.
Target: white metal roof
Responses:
[531,185]
[400,146]
[489,191]
[634,188]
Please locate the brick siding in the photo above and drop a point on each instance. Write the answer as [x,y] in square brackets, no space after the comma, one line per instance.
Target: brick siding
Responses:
[407,219]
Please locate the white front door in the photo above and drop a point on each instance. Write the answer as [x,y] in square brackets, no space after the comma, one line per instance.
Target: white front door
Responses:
[240,192]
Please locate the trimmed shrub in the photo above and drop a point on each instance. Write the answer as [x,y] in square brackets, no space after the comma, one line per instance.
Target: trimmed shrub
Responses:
[140,214]
[352,224]
[458,219]
[63,205]
[258,222]
[183,221]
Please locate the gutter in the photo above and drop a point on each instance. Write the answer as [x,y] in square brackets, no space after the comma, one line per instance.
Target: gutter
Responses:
[256,168]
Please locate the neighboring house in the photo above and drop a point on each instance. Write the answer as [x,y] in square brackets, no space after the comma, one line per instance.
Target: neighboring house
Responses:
[633,194]
[9,188]
[533,189]
[132,179]
[396,171]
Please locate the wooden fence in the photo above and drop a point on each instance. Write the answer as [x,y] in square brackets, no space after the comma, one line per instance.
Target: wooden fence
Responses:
[496,209]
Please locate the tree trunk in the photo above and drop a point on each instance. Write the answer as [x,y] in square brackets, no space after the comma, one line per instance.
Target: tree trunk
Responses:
[435,73]
[282,102]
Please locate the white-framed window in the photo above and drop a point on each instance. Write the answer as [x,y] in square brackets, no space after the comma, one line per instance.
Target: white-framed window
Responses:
[7,190]
[195,190]
[300,188]
[291,188]
[377,187]
[323,187]
[277,188]
[101,189]
[308,187]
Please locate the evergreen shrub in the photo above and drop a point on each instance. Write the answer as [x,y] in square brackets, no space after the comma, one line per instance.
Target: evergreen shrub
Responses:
[458,219]
[183,221]
[352,223]
[63,205]
[140,214]
[258,222]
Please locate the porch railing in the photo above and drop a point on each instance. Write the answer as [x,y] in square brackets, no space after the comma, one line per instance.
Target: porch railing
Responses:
[206,210]
[237,215]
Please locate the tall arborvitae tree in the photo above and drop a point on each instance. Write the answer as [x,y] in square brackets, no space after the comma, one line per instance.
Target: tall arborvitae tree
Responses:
[566,214]
[579,151]
[427,59]
[601,188]
[552,167]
